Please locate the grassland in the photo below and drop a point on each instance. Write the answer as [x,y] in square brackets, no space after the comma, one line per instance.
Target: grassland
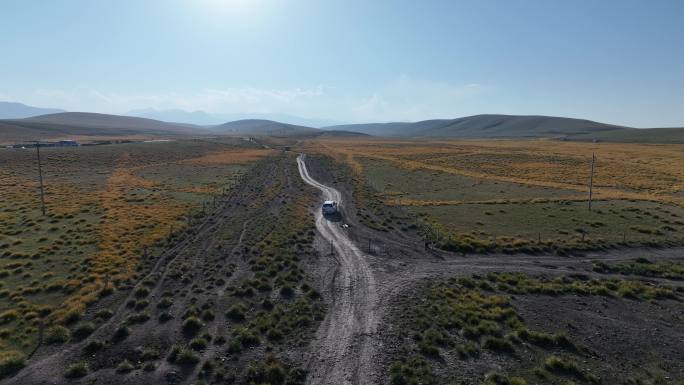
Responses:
[457,330]
[107,207]
[530,195]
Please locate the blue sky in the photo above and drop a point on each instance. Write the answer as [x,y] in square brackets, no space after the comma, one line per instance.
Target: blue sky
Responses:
[350,60]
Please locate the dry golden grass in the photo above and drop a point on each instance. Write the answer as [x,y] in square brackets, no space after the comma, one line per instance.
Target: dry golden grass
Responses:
[230,157]
[419,202]
[105,204]
[624,171]
[128,228]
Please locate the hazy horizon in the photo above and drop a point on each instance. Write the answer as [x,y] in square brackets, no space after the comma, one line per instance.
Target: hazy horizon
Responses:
[615,62]
[203,118]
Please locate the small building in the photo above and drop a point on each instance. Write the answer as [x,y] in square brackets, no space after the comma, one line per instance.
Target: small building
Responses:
[67,143]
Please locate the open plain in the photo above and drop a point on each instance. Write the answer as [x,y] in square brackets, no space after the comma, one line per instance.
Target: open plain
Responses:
[209,261]
[341,192]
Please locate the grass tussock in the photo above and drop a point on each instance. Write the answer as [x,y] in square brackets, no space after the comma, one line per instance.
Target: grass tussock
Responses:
[11,362]
[109,209]
[464,318]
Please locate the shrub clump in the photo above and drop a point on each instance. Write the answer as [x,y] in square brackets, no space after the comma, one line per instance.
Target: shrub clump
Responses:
[104,314]
[560,365]
[93,346]
[57,335]
[11,362]
[182,356]
[124,367]
[500,379]
[121,333]
[273,372]
[198,343]
[165,303]
[498,344]
[236,312]
[192,325]
[413,371]
[76,370]
[141,292]
[165,317]
[545,339]
[83,330]
[8,316]
[287,291]
[208,315]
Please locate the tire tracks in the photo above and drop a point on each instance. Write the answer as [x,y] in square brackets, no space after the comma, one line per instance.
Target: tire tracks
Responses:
[342,352]
[348,348]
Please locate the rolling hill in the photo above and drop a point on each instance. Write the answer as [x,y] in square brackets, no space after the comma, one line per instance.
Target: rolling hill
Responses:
[105,121]
[12,110]
[263,127]
[635,135]
[70,124]
[518,126]
[341,134]
[485,126]
[199,118]
[204,118]
[81,124]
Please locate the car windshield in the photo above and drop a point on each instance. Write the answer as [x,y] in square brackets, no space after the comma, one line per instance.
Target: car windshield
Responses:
[327,204]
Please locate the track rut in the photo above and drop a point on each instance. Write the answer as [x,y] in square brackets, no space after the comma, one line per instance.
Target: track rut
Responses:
[342,351]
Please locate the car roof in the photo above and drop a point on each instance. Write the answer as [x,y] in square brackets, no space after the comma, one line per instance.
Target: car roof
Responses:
[328,202]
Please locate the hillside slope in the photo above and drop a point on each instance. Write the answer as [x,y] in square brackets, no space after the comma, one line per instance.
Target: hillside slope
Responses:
[633,135]
[485,126]
[514,126]
[204,118]
[263,127]
[196,117]
[105,121]
[69,124]
[376,129]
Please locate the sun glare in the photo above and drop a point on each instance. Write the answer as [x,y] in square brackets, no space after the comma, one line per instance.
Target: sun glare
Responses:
[229,5]
[238,11]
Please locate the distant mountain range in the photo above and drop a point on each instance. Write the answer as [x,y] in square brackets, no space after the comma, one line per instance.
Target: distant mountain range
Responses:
[203,118]
[12,110]
[199,118]
[83,124]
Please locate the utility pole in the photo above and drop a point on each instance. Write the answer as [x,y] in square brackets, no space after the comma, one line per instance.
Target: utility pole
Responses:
[591,179]
[40,179]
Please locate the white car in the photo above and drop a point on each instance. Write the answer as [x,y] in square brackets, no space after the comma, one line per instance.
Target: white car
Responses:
[329,208]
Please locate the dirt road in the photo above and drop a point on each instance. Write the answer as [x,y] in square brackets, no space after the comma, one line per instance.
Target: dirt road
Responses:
[342,351]
[352,342]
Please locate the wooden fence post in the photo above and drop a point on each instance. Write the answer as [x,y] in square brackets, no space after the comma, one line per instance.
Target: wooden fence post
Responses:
[591,179]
